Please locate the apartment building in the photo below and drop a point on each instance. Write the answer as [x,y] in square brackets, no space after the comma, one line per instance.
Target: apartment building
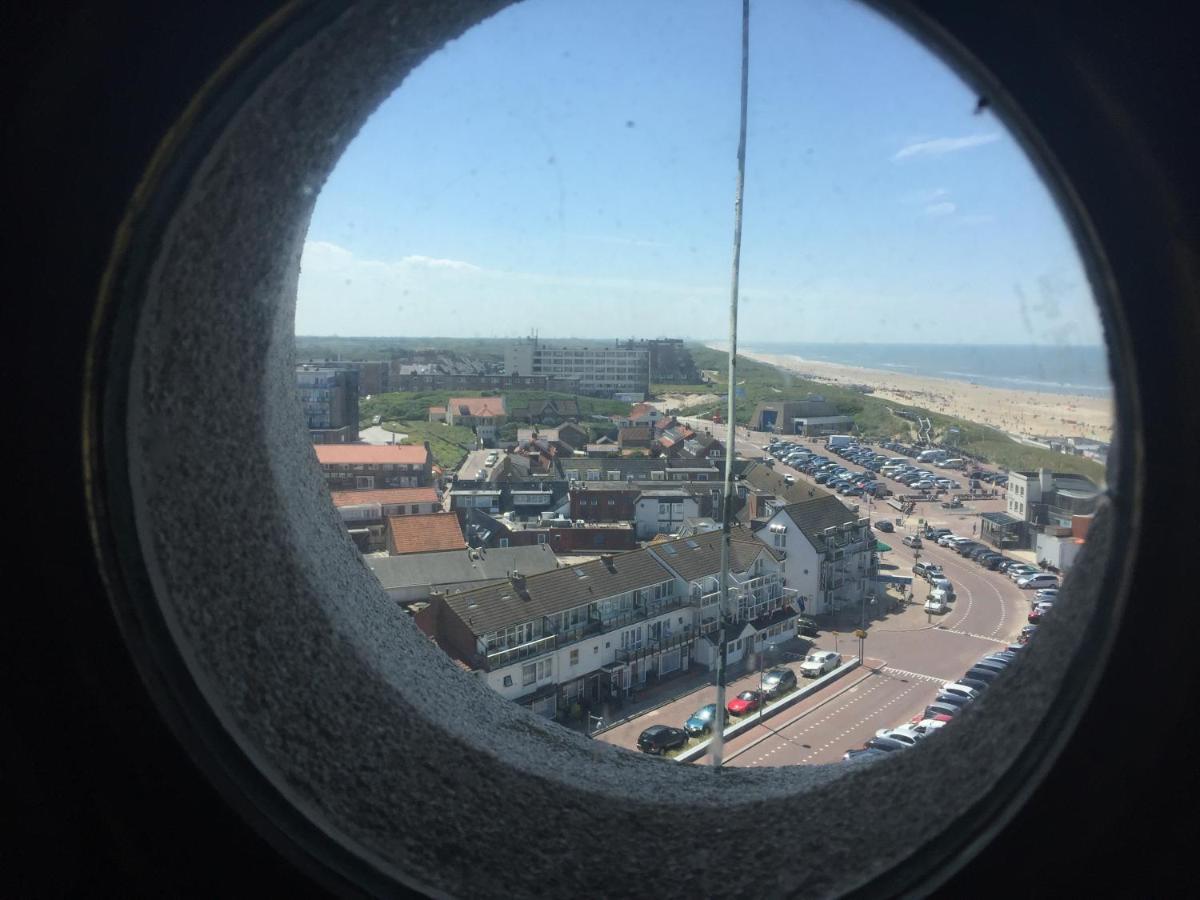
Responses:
[587,633]
[601,370]
[329,398]
[350,467]
[830,553]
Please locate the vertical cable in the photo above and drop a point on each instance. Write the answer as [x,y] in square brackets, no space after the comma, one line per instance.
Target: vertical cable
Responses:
[728,618]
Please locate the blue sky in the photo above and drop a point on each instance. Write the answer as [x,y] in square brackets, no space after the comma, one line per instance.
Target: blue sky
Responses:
[570,167]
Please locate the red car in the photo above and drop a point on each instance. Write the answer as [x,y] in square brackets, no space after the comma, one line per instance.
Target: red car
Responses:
[744,703]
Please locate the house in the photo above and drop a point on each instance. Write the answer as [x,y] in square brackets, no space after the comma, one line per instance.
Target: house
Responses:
[637,437]
[604,501]
[374,466]
[548,411]
[830,553]
[1040,503]
[701,446]
[569,436]
[365,512]
[329,397]
[636,468]
[437,414]
[415,576]
[587,633]
[483,415]
[763,492]
[640,414]
[427,533]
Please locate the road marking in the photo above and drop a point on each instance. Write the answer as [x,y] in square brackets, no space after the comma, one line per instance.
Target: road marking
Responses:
[983,637]
[890,670]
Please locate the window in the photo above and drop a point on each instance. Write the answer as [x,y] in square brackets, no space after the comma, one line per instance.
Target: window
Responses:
[508,681]
[528,674]
[541,538]
[414,508]
[574,657]
[503,542]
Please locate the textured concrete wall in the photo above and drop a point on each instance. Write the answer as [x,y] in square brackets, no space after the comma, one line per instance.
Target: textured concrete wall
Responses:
[335,695]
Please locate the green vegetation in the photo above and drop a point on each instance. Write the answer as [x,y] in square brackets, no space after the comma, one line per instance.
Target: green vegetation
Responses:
[449,443]
[366,348]
[411,406]
[877,419]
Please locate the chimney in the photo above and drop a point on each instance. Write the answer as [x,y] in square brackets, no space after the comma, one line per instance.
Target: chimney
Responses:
[607,559]
[1045,480]
[518,583]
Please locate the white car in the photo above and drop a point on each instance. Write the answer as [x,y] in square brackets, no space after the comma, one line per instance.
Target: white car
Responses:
[905,734]
[962,690]
[928,726]
[936,605]
[820,662]
[1040,580]
[1047,593]
[946,539]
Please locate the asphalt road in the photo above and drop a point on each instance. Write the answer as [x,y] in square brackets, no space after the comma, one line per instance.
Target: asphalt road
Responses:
[921,651]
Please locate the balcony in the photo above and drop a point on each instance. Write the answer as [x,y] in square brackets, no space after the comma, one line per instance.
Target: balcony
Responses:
[498,659]
[677,638]
[641,613]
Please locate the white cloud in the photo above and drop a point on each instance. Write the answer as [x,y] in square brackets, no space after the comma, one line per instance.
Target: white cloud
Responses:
[942,146]
[940,209]
[921,198]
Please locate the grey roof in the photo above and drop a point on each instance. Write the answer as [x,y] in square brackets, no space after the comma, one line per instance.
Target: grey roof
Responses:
[766,479]
[500,605]
[813,516]
[700,555]
[454,567]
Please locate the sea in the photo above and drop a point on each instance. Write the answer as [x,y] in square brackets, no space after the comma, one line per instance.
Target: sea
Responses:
[1054,370]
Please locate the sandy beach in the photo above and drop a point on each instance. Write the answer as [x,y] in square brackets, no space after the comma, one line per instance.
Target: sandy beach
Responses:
[1023,413]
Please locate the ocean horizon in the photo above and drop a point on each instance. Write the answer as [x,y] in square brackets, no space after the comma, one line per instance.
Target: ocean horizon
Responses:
[1045,369]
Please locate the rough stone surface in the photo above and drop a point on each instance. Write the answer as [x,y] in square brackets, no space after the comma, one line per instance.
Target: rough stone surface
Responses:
[328,687]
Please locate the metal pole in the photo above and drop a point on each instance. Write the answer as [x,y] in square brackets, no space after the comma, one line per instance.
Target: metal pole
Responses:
[718,742]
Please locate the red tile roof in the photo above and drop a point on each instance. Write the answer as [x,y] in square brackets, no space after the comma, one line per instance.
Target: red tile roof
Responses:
[370,454]
[477,406]
[385,496]
[642,409]
[424,533]
[437,410]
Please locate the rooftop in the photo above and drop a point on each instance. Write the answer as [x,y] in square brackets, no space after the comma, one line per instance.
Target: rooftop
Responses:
[384,496]
[424,533]
[463,566]
[813,516]
[370,454]
[477,406]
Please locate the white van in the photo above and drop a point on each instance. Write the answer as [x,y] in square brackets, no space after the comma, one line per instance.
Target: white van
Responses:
[930,455]
[950,464]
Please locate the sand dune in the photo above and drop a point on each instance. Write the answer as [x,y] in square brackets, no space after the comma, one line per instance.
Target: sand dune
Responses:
[1024,413]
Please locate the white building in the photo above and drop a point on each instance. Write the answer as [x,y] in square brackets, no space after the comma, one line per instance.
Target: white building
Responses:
[830,553]
[662,511]
[589,632]
[621,368]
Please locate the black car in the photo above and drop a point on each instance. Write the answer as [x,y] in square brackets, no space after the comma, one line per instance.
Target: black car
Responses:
[988,675]
[863,753]
[949,699]
[806,626]
[941,709]
[885,526]
[660,738]
[778,682]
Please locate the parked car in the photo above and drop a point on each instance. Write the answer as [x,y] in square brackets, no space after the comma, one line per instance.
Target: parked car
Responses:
[744,703]
[904,734]
[929,726]
[940,709]
[778,682]
[911,540]
[973,683]
[885,526]
[1046,594]
[1040,580]
[923,569]
[701,721]
[1035,614]
[936,605]
[660,738]
[807,626]
[921,717]
[885,743]
[1020,570]
[855,754]
[820,662]
[981,674]
[957,687]
[996,665]
[951,699]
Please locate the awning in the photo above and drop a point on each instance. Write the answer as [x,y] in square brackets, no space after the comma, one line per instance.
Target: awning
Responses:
[881,547]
